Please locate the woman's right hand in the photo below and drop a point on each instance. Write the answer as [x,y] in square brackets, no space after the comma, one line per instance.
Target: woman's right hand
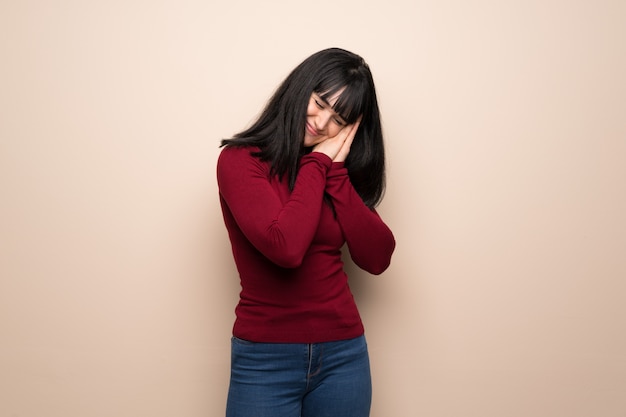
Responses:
[338,147]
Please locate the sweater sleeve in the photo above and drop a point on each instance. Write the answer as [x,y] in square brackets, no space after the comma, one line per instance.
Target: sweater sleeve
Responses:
[370,242]
[281,230]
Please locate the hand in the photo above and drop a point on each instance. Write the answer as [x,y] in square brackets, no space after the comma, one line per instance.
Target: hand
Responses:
[345,149]
[338,147]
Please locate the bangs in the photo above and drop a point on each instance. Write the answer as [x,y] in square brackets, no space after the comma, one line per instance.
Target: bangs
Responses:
[350,104]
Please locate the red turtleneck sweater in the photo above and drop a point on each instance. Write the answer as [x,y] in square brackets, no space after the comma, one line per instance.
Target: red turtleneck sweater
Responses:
[287,247]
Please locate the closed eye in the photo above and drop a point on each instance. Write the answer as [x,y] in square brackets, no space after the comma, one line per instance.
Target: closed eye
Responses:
[322,104]
[340,121]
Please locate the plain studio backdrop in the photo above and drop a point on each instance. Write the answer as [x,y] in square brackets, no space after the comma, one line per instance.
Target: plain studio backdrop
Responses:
[505,126]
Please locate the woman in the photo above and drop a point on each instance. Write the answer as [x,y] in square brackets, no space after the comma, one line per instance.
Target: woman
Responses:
[295,187]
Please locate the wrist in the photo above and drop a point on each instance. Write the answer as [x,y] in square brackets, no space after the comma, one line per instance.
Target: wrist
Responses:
[337,169]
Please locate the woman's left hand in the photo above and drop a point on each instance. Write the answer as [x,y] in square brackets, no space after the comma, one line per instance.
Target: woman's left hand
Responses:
[345,148]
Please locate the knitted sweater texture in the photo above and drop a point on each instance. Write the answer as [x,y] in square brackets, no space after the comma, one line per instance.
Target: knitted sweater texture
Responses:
[287,247]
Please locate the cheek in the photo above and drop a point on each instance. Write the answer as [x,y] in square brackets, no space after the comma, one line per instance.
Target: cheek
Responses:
[333,130]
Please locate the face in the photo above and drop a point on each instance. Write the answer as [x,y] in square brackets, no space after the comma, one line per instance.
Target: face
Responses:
[322,122]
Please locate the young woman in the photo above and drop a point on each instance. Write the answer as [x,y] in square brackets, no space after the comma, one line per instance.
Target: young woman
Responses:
[295,187]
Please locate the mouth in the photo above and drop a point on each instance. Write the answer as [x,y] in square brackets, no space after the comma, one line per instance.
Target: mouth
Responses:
[311,130]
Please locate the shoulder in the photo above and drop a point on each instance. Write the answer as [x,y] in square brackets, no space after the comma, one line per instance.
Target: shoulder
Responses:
[239,159]
[238,155]
[238,152]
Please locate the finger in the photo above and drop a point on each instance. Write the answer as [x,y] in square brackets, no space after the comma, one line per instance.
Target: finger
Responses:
[344,151]
[353,130]
[355,127]
[345,148]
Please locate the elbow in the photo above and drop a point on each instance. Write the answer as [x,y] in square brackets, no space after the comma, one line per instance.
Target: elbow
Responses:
[281,250]
[288,263]
[375,265]
[378,263]
[288,258]
[377,268]
[380,268]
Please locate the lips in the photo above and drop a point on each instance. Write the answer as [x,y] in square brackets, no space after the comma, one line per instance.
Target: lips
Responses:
[311,130]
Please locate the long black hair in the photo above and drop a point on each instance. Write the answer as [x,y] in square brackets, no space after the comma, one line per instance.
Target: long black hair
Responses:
[279,130]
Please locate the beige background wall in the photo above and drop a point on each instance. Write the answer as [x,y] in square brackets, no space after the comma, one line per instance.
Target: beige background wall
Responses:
[506,130]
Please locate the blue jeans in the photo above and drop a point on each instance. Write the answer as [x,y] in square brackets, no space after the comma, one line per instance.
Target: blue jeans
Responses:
[330,379]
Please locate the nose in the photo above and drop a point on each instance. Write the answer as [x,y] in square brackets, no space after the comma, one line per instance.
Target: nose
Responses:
[321,120]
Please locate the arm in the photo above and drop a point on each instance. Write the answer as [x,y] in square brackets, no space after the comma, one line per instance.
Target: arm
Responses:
[370,241]
[282,232]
